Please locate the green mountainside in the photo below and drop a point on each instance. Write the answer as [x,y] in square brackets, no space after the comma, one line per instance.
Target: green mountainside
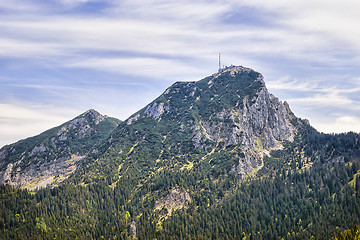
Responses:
[220,158]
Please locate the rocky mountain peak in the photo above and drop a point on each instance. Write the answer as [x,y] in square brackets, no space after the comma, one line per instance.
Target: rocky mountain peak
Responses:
[51,157]
[81,126]
[231,109]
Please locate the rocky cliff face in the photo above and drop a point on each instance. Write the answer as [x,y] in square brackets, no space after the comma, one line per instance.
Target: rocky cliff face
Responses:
[53,156]
[256,128]
[172,202]
[257,124]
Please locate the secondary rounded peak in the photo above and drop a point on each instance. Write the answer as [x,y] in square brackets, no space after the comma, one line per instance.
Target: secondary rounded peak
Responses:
[92,111]
[94,115]
[239,73]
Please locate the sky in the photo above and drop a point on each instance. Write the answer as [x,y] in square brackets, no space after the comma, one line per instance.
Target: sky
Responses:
[59,58]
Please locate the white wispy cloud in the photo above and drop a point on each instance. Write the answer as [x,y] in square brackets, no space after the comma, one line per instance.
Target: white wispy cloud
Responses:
[74,2]
[326,99]
[345,123]
[286,83]
[18,122]
[315,85]
[146,67]
[164,33]
[194,10]
[335,20]
[318,93]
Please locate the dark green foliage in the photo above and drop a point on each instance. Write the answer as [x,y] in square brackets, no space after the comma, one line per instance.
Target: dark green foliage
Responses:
[290,203]
[282,207]
[66,212]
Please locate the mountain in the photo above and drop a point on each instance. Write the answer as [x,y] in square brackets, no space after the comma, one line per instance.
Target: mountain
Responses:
[49,158]
[220,158]
[229,114]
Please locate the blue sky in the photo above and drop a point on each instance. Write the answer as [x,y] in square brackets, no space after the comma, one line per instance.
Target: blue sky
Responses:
[59,58]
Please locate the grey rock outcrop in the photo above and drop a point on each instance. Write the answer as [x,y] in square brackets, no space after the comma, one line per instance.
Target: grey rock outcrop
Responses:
[156,110]
[172,202]
[132,119]
[133,229]
[37,176]
[38,149]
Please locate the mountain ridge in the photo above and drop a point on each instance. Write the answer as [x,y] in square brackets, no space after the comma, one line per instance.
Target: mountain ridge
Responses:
[220,158]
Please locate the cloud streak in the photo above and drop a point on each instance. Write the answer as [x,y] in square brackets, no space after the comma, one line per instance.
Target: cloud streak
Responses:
[173,37]
[308,53]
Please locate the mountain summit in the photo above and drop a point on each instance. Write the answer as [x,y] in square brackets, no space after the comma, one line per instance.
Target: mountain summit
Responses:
[220,158]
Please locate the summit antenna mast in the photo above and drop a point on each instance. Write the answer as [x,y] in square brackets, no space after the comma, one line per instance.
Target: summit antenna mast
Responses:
[219,62]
